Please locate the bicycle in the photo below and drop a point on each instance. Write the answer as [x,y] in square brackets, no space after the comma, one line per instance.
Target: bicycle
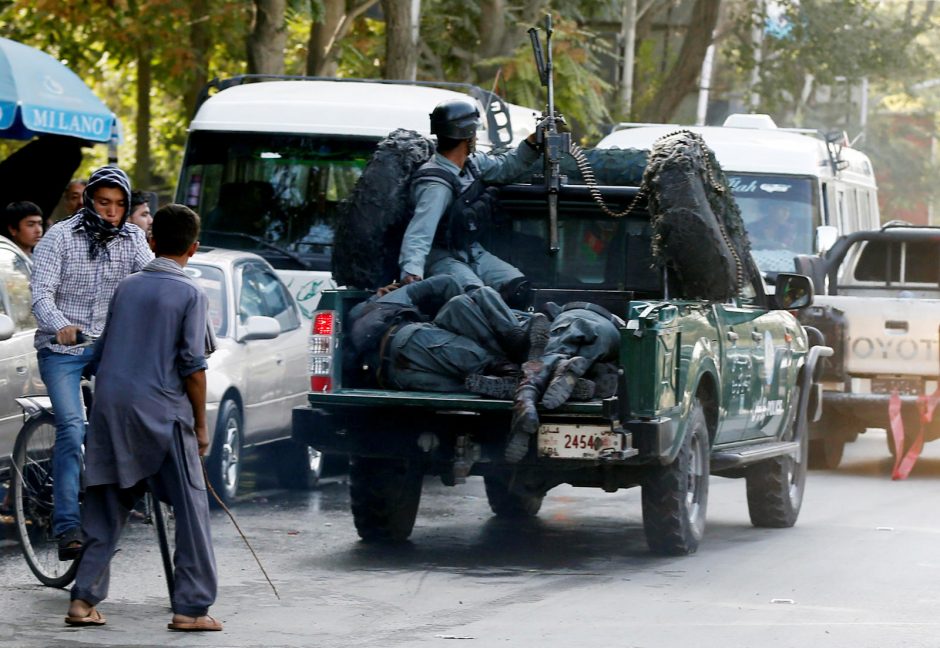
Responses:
[31,483]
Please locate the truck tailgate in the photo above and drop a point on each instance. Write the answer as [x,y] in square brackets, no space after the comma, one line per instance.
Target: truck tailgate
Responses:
[889,335]
[432,400]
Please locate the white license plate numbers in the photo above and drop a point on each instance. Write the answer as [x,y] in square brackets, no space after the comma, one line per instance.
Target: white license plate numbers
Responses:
[573,441]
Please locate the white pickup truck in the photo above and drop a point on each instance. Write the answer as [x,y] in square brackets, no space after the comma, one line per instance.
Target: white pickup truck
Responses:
[878,306]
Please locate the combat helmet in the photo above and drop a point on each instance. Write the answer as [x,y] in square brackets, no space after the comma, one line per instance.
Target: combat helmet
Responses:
[455,119]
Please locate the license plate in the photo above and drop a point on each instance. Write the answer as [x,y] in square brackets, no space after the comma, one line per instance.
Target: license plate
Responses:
[905,386]
[574,441]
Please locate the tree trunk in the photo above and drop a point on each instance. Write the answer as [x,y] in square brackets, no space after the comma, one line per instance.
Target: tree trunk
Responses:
[200,45]
[628,42]
[268,38]
[501,32]
[142,176]
[401,43]
[320,61]
[680,80]
[325,34]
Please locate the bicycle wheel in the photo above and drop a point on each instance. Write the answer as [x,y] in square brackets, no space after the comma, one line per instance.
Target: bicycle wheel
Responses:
[163,521]
[32,502]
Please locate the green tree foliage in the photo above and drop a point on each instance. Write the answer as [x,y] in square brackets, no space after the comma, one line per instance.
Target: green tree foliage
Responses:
[810,64]
[102,43]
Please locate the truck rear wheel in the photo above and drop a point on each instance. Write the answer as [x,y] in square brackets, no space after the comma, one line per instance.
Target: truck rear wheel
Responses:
[675,497]
[826,453]
[384,495]
[510,503]
[775,487]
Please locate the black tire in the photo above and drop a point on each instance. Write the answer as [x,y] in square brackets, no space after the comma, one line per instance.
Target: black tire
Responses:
[826,453]
[510,503]
[775,487]
[384,495]
[224,465]
[298,465]
[889,438]
[675,497]
[164,523]
[31,482]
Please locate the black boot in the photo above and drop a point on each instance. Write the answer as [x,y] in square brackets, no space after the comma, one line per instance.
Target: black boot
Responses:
[563,380]
[525,417]
[527,342]
[500,387]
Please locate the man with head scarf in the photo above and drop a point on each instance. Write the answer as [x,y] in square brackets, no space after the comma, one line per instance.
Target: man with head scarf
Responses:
[76,267]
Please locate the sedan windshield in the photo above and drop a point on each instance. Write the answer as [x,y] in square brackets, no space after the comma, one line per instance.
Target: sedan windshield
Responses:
[212,281]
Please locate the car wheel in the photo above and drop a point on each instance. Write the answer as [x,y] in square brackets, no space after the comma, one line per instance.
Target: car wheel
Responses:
[299,466]
[224,465]
[775,487]
[675,497]
[510,503]
[384,497]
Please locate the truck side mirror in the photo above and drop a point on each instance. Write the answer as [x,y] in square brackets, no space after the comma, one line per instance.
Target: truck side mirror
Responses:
[793,291]
[826,236]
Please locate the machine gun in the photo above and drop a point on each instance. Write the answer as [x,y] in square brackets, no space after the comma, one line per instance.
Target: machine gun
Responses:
[553,143]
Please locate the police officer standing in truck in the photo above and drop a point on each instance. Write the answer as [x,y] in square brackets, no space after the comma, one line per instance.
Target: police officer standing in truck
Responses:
[451,203]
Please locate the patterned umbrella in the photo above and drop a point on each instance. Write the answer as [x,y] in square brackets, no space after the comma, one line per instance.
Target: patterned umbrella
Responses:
[40,95]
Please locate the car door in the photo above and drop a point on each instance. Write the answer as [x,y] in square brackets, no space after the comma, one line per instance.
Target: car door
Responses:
[274,369]
[734,322]
[19,371]
[771,333]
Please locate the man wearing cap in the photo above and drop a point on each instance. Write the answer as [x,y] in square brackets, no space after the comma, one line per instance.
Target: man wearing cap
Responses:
[76,267]
[451,203]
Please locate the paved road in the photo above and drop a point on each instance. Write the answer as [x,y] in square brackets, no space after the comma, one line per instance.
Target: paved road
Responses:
[860,569]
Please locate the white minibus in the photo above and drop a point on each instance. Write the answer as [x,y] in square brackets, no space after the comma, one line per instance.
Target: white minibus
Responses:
[822,188]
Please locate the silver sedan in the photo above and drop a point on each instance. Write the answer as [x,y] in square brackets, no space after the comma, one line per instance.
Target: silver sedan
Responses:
[259,372]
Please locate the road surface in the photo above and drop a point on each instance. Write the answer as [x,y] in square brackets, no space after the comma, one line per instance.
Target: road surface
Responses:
[859,569]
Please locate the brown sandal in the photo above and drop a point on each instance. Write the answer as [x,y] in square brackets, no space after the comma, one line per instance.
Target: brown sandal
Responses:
[198,624]
[93,618]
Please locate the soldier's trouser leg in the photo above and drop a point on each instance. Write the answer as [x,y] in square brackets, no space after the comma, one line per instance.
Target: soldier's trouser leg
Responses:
[180,483]
[583,333]
[441,262]
[491,269]
[427,358]
[484,318]
[525,418]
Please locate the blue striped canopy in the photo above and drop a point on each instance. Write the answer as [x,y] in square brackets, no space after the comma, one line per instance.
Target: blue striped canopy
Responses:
[40,95]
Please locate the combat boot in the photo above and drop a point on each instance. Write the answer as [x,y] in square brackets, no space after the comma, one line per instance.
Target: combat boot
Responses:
[504,387]
[525,417]
[527,342]
[563,380]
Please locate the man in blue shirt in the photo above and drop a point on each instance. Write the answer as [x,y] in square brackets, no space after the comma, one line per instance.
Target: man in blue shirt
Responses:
[450,205]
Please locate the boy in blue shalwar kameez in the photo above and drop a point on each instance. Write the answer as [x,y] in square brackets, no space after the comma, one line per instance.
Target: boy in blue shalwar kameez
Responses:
[148,426]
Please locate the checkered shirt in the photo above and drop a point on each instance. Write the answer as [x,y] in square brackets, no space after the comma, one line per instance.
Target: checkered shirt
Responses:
[72,289]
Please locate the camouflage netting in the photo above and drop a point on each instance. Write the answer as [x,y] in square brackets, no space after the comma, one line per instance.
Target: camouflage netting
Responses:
[372,220]
[697,228]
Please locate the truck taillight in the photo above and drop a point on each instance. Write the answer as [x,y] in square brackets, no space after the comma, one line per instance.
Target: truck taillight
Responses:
[320,347]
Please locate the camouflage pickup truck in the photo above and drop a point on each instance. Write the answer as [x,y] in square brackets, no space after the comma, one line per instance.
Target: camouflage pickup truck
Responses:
[706,386]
